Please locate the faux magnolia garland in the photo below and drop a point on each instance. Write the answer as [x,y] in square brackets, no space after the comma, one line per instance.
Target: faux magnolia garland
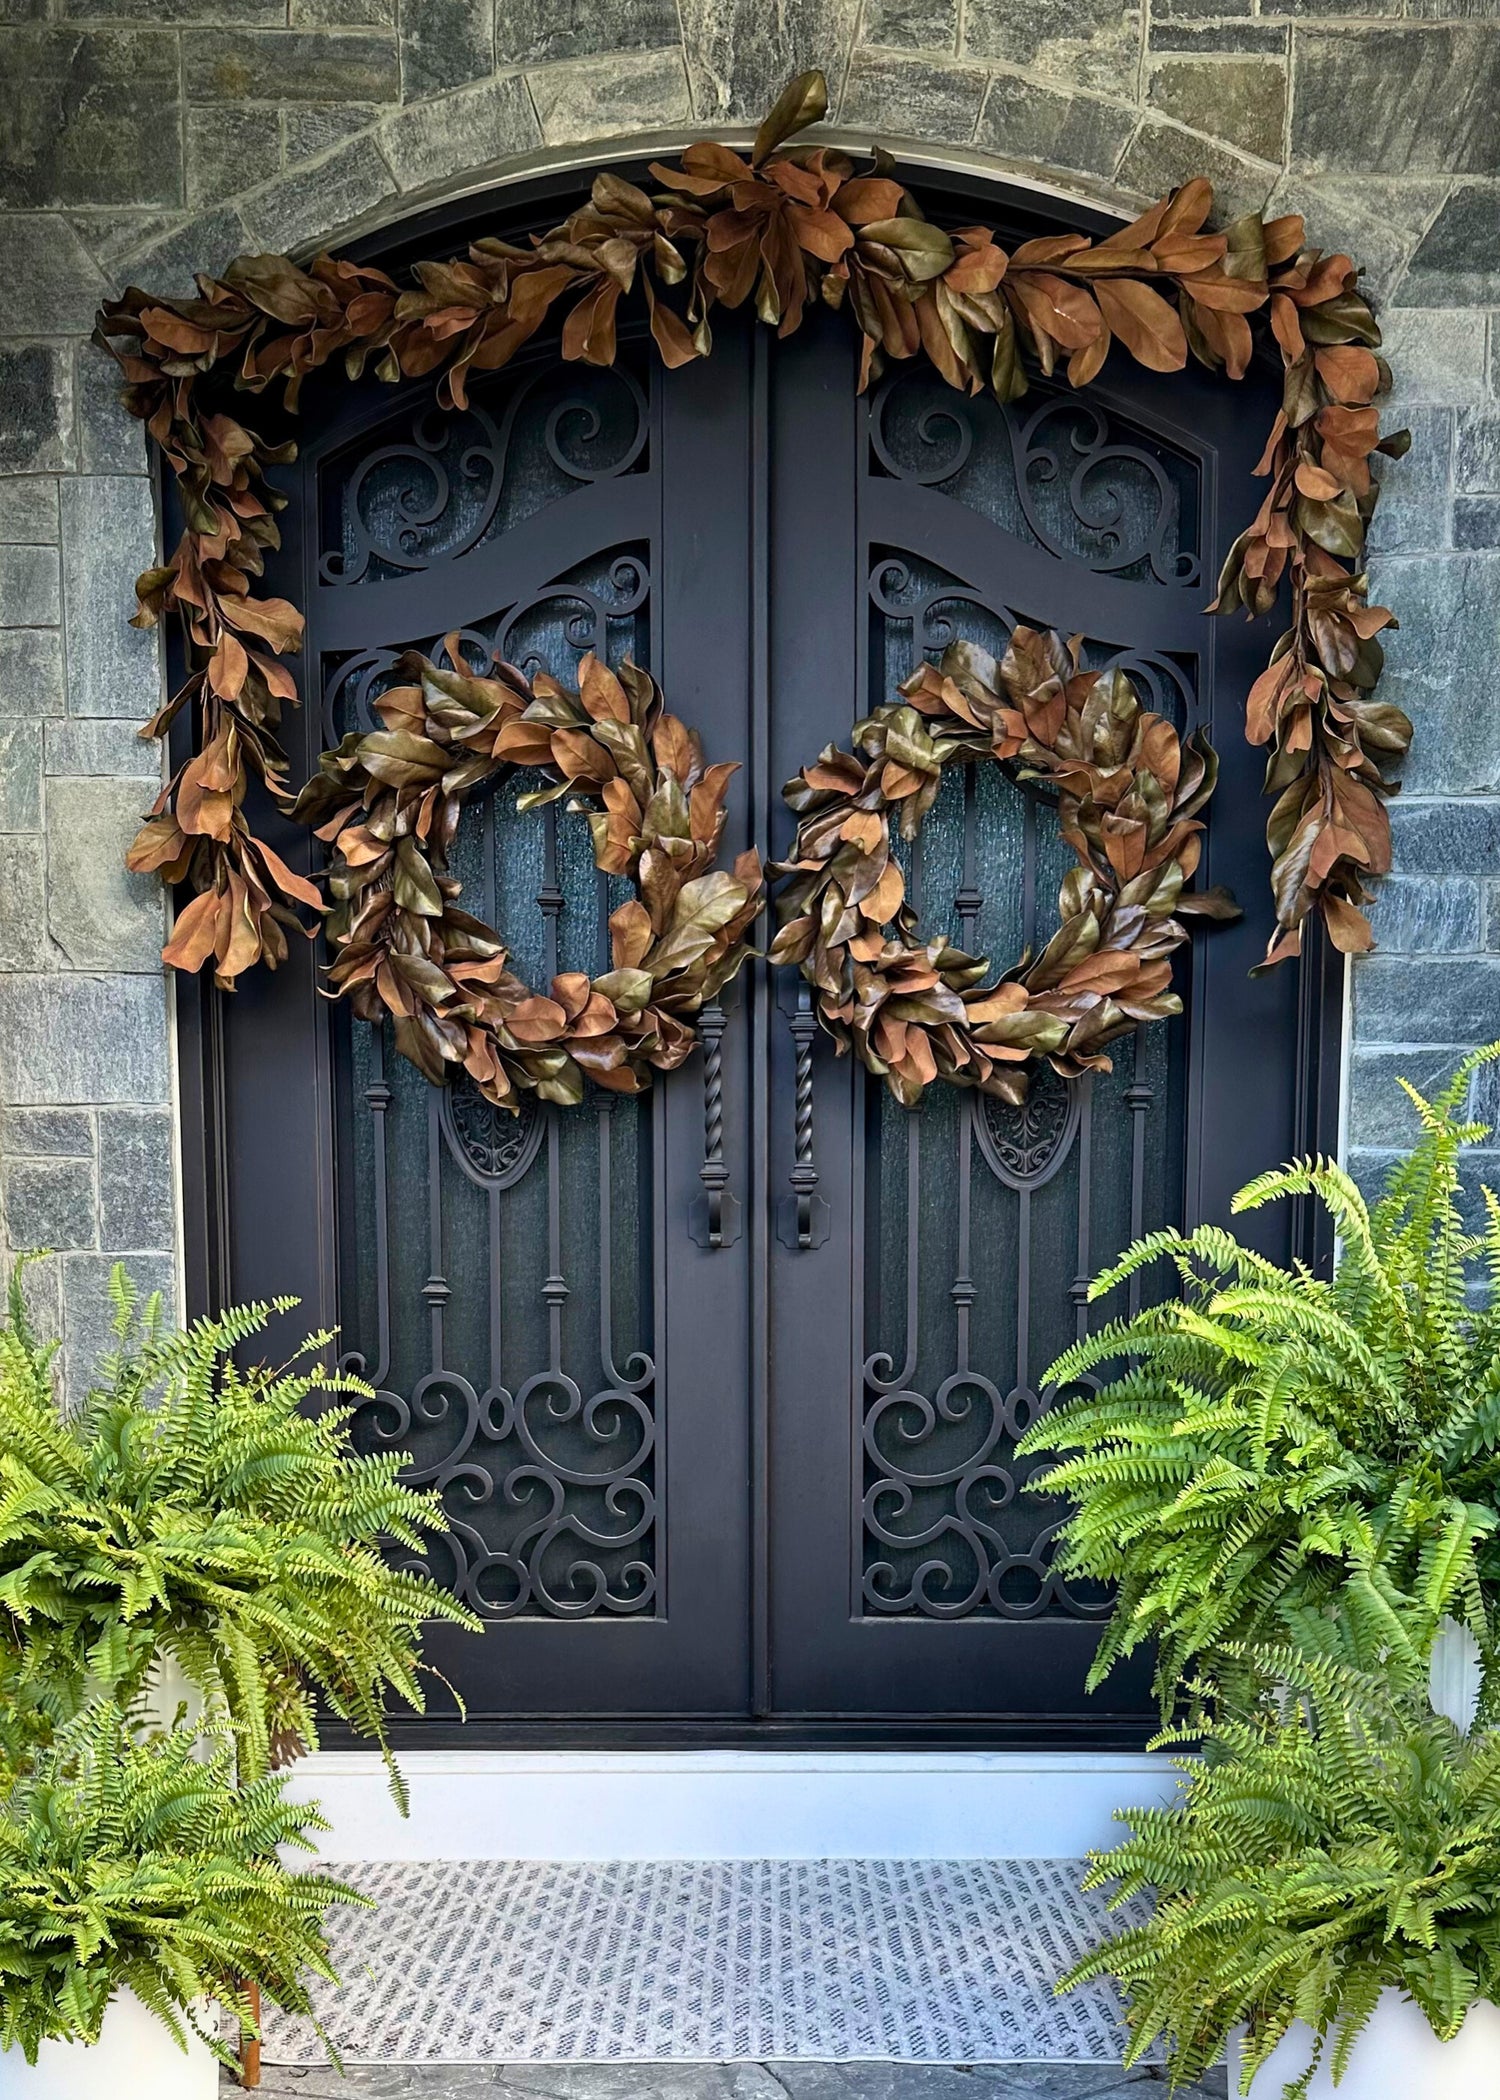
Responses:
[783,227]
[387,804]
[1128,796]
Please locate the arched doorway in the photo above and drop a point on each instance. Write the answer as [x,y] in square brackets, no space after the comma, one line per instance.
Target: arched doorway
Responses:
[719,1387]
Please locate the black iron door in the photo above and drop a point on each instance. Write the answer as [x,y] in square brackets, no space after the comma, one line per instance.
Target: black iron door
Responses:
[752,1478]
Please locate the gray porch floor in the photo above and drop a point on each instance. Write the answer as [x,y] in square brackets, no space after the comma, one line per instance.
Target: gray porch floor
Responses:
[746,2081]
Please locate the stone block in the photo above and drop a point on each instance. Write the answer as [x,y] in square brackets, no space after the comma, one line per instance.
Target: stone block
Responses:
[1368,10]
[109,535]
[1417,915]
[23,10]
[49,1203]
[170,261]
[1476,522]
[459,133]
[20,776]
[49,283]
[1087,43]
[1439,837]
[1023,120]
[1415,100]
[1239,100]
[89,1312]
[36,409]
[23,904]
[894,96]
[1378,221]
[1440,668]
[67,1038]
[1263,39]
[911,25]
[595,98]
[1413,514]
[98,122]
[28,511]
[540,32]
[30,587]
[111,439]
[1458,260]
[47,1133]
[1161,156]
[1426,1000]
[229,150]
[742,53]
[308,133]
[245,14]
[1477,462]
[1380,1114]
[136,1201]
[31,673]
[445,44]
[1199,10]
[96,750]
[1435,355]
[301,210]
[100,915]
[293,65]
[343,14]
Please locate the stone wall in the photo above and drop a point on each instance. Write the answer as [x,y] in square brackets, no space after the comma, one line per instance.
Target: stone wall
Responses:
[143,139]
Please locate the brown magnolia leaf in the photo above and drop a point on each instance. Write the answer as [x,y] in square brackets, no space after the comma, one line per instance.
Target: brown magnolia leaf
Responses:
[195,932]
[1144,322]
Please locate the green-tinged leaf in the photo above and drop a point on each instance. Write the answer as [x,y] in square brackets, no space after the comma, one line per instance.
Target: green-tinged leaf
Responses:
[802,101]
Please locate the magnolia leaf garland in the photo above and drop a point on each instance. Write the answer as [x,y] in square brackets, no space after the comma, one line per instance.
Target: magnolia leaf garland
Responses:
[1129,792]
[781,228]
[387,804]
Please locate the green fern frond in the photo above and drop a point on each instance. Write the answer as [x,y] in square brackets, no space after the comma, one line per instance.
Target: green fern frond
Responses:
[194,1507]
[1269,1448]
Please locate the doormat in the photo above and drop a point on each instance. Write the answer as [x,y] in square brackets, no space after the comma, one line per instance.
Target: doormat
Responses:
[612,1961]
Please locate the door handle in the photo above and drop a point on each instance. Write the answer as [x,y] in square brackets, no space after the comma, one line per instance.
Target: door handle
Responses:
[714,1216]
[803,1216]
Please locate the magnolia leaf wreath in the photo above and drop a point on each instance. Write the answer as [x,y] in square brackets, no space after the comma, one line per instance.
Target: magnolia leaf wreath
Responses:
[782,227]
[1128,795]
[387,804]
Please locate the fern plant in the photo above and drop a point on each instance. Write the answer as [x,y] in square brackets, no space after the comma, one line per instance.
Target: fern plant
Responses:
[188,1509]
[133,1862]
[1277,1447]
[1338,1840]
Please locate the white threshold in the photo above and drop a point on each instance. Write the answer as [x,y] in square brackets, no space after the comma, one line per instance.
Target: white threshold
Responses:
[730,1804]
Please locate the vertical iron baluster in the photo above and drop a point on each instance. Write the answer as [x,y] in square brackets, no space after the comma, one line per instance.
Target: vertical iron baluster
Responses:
[378,1100]
[1139,1096]
[1078,1290]
[967,905]
[804,1218]
[554,1287]
[435,1290]
[962,1292]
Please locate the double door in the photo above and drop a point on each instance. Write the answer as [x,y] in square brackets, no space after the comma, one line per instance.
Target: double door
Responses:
[719,1388]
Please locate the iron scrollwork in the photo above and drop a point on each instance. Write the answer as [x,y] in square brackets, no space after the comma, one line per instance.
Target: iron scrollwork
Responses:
[429,499]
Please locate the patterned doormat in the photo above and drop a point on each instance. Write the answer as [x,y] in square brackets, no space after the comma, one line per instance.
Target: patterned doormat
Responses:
[913,1961]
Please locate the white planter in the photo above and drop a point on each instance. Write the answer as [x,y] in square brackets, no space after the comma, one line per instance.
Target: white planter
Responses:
[135,2058]
[1398,2057]
[1453,1681]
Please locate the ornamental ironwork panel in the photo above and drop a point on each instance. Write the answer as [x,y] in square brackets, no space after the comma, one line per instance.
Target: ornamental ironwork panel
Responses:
[984,1223]
[497,1270]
